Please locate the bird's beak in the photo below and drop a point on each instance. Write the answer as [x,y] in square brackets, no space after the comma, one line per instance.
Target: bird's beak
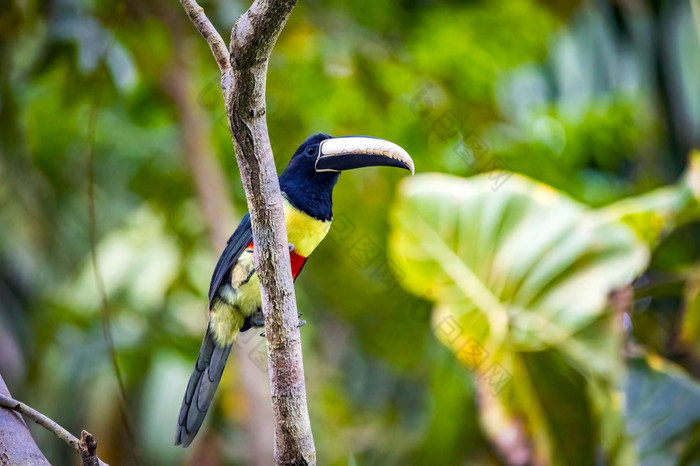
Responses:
[346,153]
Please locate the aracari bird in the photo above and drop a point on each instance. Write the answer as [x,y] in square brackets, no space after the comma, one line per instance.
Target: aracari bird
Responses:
[234,294]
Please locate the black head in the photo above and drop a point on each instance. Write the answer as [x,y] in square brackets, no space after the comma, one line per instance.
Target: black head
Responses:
[308,180]
[306,189]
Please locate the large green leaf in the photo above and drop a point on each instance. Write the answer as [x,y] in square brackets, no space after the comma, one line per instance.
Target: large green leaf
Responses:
[518,270]
[524,265]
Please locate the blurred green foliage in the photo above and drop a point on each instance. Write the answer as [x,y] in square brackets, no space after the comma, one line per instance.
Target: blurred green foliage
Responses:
[596,102]
[521,277]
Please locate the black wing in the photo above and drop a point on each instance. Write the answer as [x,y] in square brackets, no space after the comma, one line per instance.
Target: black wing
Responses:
[235,246]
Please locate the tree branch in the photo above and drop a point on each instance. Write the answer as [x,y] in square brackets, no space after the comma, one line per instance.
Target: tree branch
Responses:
[214,196]
[243,83]
[16,443]
[252,39]
[89,444]
[86,449]
[208,31]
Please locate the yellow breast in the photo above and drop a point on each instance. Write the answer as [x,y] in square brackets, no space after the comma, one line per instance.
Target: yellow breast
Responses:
[303,231]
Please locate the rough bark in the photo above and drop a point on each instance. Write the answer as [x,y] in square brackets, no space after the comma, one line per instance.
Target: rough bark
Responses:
[87,447]
[213,196]
[252,39]
[243,84]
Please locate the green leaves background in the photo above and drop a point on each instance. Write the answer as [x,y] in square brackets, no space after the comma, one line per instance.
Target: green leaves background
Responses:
[521,277]
[593,120]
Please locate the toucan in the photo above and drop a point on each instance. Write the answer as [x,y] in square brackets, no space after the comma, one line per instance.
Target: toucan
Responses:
[234,294]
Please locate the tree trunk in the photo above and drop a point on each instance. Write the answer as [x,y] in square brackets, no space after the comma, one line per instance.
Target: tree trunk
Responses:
[243,78]
[214,199]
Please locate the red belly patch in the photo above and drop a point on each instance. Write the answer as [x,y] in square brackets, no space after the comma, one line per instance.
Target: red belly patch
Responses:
[297,261]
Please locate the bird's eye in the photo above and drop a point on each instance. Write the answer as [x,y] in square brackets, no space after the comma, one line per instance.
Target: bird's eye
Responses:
[311,150]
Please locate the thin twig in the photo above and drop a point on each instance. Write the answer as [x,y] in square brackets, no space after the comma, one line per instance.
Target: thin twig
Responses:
[45,422]
[208,31]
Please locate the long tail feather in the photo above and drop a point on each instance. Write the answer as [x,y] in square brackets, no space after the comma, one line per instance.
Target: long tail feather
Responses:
[201,388]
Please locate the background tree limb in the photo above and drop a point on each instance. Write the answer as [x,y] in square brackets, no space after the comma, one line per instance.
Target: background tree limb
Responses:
[252,39]
[16,443]
[204,26]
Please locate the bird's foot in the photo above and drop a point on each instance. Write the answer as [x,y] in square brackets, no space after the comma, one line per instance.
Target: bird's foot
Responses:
[257,319]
